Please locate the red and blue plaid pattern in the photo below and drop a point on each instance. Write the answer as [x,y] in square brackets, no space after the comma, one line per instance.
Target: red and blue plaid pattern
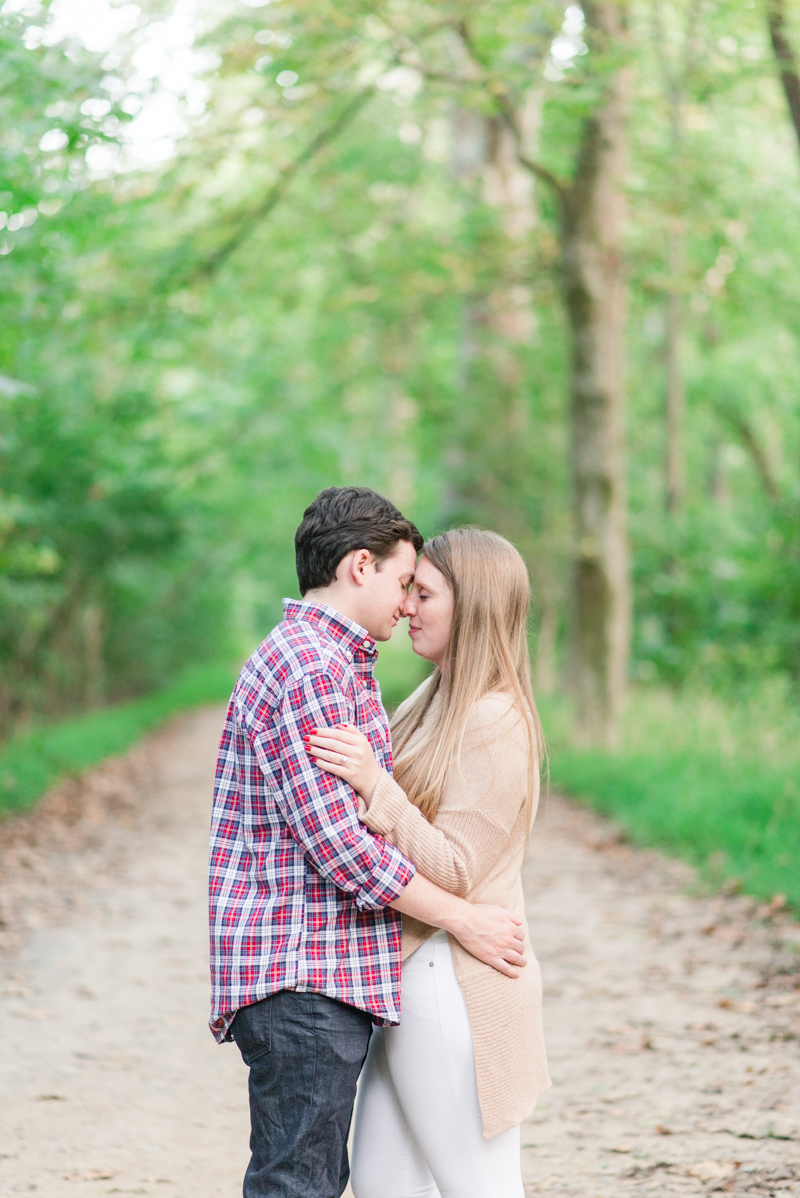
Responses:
[298,887]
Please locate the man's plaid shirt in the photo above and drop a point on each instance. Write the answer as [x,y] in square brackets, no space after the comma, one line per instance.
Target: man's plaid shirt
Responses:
[298,887]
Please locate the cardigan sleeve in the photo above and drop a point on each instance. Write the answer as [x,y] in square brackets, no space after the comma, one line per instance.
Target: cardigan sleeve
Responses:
[483,797]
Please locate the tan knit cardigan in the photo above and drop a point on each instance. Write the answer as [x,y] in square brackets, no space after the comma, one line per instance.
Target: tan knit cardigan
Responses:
[475,849]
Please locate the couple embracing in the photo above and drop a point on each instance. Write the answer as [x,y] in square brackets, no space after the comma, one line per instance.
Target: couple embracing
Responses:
[366,906]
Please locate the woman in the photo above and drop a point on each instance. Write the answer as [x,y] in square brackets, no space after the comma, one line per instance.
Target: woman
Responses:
[442,1096]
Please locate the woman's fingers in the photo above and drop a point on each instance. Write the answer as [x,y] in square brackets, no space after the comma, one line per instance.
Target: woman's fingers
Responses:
[352,762]
[325,765]
[329,742]
[354,752]
[332,767]
[340,735]
[345,769]
[327,755]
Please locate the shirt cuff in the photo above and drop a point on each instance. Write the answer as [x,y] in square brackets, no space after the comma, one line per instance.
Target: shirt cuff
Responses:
[385,808]
[221,1027]
[388,881]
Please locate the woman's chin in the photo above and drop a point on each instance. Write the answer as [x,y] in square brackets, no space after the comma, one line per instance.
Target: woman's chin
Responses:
[419,651]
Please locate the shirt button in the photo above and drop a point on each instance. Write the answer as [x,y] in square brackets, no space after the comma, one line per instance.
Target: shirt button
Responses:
[366,644]
[431,964]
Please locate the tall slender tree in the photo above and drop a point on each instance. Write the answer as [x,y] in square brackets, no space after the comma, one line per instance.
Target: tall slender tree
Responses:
[592,221]
[592,229]
[786,59]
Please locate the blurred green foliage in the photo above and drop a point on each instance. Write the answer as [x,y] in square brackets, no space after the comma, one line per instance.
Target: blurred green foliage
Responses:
[32,762]
[715,784]
[189,353]
[399,671]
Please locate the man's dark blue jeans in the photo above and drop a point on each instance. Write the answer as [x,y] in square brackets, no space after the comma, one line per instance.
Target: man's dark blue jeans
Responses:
[305,1052]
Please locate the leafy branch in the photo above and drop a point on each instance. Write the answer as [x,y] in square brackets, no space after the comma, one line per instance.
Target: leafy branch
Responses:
[247,219]
[739,422]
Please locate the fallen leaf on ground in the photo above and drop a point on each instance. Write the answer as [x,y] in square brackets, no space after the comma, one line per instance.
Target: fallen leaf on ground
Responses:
[712,1170]
[92,1175]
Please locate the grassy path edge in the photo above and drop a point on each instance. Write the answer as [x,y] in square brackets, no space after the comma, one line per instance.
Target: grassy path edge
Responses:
[737,821]
[31,763]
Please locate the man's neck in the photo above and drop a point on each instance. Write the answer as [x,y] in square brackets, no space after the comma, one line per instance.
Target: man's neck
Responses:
[332,597]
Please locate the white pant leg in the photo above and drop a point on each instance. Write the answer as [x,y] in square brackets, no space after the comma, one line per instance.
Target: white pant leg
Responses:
[431,1066]
[386,1162]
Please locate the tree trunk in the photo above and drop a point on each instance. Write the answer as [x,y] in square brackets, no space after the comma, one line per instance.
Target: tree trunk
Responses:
[545,675]
[498,327]
[787,63]
[92,628]
[676,401]
[593,215]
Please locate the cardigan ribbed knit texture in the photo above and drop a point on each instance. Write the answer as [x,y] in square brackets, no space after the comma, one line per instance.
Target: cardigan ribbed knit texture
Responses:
[475,848]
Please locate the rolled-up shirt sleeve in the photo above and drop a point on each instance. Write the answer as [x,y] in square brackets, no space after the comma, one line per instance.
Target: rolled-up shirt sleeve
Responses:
[321,810]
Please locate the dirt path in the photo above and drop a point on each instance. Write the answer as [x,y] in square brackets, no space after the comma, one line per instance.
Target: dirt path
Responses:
[110,1082]
[672,1020]
[673,1026]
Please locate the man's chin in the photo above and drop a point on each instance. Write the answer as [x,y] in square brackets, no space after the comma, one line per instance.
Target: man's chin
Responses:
[386,633]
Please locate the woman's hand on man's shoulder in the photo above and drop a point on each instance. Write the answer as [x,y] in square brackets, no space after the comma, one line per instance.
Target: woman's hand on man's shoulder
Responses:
[345,752]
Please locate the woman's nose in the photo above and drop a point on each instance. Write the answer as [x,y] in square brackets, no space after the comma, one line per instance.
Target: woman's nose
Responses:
[408,607]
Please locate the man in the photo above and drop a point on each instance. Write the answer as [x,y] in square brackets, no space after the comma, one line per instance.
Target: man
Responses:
[304,900]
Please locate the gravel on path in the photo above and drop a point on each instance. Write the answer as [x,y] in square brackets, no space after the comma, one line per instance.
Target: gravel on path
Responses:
[110,1082]
[672,1023]
[673,1019]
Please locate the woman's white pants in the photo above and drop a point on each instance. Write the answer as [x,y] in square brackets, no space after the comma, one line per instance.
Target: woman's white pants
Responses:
[418,1130]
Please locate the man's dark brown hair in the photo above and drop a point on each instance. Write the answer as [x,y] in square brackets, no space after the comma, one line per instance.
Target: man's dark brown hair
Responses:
[340,520]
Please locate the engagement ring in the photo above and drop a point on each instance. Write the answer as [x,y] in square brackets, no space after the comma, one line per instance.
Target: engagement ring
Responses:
[344,759]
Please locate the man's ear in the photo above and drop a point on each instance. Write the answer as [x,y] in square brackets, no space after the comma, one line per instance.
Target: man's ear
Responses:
[358,566]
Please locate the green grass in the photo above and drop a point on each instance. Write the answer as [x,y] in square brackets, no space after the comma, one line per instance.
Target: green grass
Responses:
[31,763]
[716,785]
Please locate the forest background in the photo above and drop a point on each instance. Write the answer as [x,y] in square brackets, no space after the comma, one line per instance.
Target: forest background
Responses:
[519,265]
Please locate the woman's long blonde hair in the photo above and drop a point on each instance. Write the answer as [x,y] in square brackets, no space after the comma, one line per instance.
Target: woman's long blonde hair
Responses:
[487,652]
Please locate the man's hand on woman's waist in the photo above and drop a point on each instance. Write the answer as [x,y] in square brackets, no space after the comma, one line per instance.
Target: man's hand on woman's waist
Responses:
[490,933]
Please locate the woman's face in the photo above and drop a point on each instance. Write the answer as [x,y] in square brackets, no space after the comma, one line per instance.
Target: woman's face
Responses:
[429,607]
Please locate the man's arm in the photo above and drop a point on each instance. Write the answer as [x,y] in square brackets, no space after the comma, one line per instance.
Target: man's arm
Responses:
[490,933]
[321,812]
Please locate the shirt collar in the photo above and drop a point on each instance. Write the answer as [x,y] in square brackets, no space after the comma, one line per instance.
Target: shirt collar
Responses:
[346,633]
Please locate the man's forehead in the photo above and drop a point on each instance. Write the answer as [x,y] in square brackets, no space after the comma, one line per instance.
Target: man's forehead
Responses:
[406,555]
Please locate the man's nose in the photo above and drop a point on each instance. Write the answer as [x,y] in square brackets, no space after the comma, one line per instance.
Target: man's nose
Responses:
[407,606]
